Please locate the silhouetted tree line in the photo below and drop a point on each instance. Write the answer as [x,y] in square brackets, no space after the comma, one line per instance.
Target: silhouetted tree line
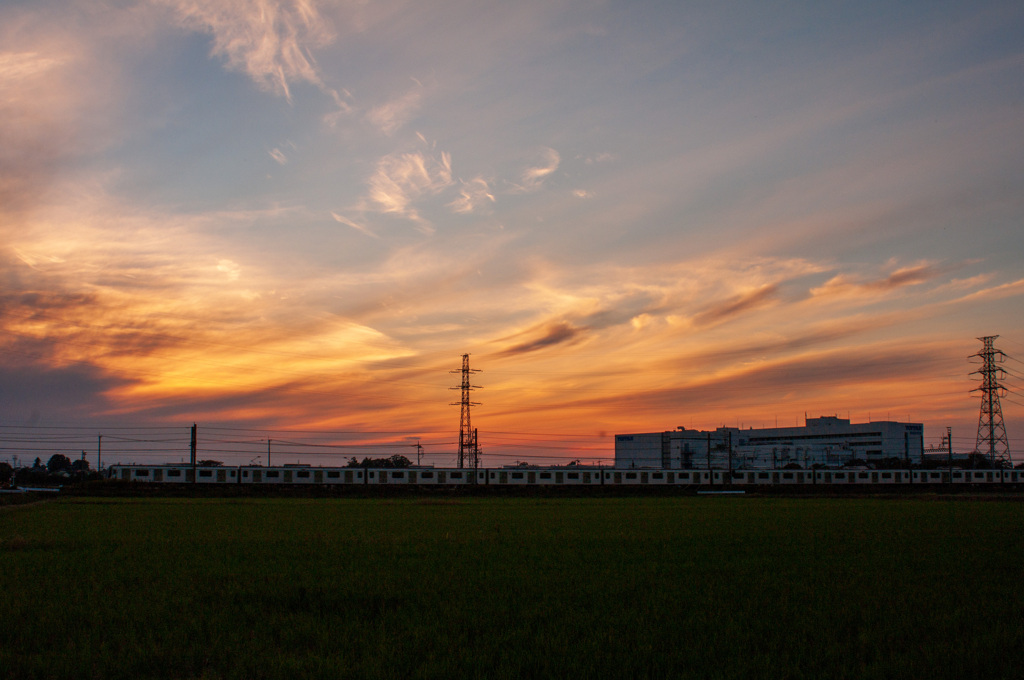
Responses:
[59,469]
[395,461]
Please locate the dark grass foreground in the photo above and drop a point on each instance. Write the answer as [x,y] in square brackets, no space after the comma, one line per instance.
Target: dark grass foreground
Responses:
[512,588]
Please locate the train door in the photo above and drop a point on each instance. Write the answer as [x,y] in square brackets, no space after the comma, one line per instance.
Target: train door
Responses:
[442,477]
[531,477]
[502,477]
[257,476]
[412,476]
[643,477]
[558,477]
[874,478]
[586,478]
[287,476]
[318,476]
[158,475]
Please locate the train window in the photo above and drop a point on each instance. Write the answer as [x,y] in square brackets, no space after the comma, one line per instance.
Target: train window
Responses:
[174,473]
[427,475]
[517,475]
[787,475]
[333,474]
[142,473]
[456,475]
[545,475]
[573,475]
[886,475]
[273,473]
[862,475]
[684,475]
[840,475]
[397,475]
[206,473]
[658,475]
[763,475]
[302,474]
[630,475]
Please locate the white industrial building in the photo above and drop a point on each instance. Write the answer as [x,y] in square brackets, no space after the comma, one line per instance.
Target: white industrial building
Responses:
[827,441]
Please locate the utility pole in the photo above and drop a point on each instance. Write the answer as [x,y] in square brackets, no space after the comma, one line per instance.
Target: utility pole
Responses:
[419,452]
[949,450]
[991,431]
[268,451]
[192,449]
[467,437]
[730,456]
[99,453]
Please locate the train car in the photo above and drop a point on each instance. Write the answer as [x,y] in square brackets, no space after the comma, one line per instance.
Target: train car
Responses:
[542,477]
[174,474]
[425,476]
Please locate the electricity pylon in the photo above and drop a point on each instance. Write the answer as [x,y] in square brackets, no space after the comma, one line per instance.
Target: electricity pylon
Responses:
[991,431]
[468,445]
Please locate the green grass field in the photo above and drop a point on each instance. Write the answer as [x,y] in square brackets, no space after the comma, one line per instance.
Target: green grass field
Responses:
[512,588]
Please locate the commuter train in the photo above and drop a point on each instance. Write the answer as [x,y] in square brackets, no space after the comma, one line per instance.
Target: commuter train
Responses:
[510,477]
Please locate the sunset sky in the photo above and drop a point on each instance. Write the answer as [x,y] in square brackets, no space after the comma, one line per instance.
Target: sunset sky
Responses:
[634,216]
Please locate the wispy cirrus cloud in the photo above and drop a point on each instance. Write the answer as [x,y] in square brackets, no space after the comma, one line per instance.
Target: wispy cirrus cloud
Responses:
[401,178]
[392,115]
[843,285]
[533,177]
[558,333]
[271,41]
[738,304]
[341,219]
[474,196]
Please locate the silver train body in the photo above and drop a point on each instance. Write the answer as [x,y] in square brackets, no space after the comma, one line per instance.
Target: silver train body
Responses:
[305,475]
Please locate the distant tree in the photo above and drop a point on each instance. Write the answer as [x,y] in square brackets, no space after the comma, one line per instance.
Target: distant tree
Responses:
[792,466]
[395,461]
[38,463]
[353,462]
[978,461]
[79,466]
[6,473]
[58,463]
[209,463]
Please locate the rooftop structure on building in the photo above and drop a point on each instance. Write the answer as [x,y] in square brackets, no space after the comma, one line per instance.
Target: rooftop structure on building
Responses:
[827,441]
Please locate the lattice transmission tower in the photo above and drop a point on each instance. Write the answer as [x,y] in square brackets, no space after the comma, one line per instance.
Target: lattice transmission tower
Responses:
[469,449]
[991,431]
